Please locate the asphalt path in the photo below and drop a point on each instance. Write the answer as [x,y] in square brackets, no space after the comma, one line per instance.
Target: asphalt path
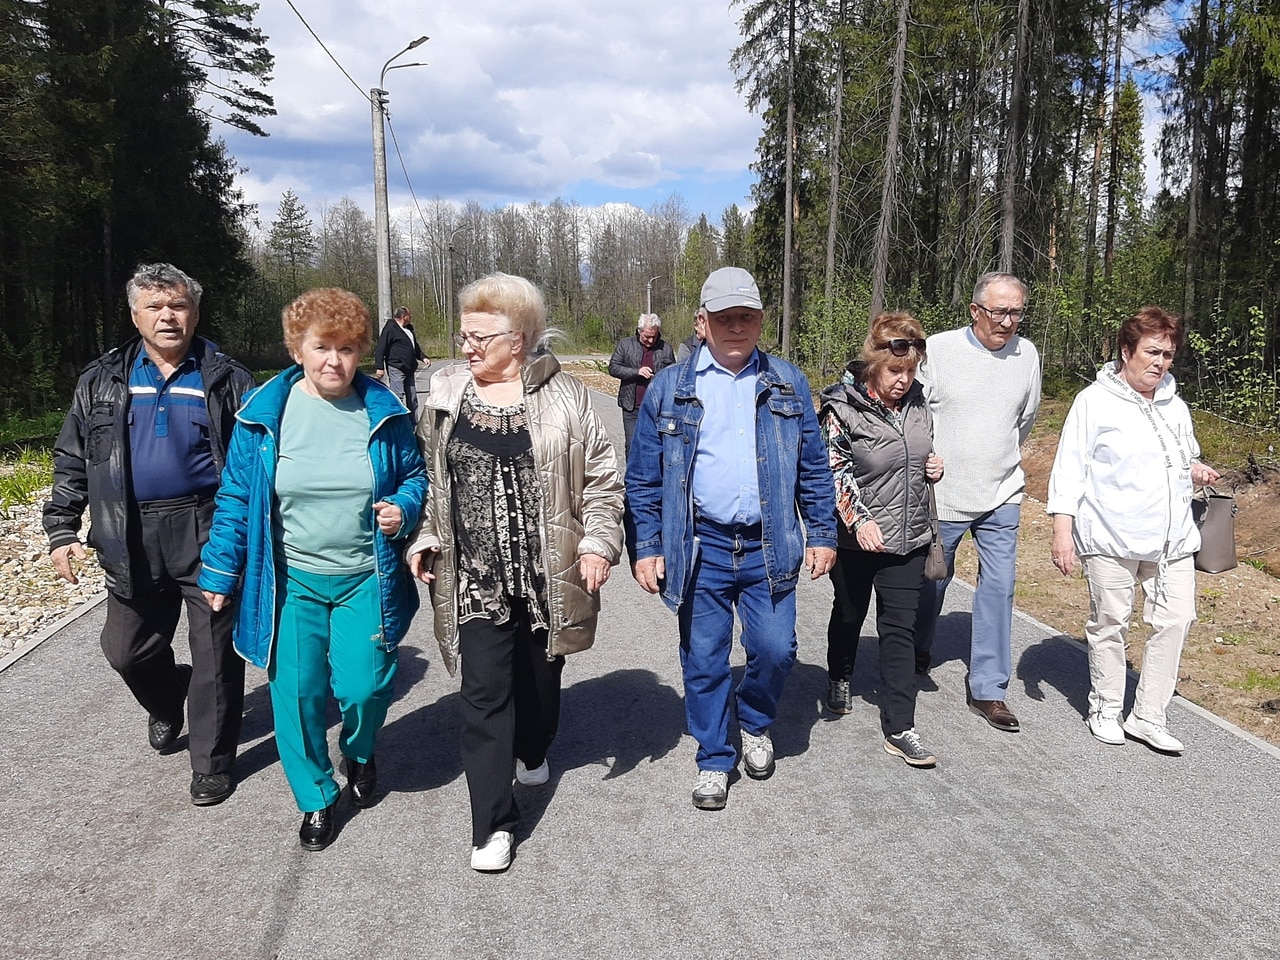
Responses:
[1039,844]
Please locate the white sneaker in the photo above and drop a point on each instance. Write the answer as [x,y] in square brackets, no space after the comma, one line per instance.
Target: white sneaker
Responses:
[532,778]
[495,855]
[1152,734]
[757,755]
[711,790]
[1106,728]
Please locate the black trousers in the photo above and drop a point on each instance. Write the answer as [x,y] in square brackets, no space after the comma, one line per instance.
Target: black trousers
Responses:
[897,580]
[165,542]
[510,709]
[629,418]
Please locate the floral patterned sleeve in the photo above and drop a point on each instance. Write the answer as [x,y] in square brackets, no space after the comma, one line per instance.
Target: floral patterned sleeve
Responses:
[849,505]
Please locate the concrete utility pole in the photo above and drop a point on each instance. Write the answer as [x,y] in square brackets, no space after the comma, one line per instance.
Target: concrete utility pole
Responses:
[448,287]
[648,294]
[382,220]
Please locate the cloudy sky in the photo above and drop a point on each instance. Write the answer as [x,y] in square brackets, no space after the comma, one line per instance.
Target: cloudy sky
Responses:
[588,100]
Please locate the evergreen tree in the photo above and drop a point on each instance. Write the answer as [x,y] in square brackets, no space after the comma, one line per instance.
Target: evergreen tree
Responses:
[291,242]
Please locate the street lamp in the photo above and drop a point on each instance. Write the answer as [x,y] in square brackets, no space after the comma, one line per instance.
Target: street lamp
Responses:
[382,224]
[648,294]
[448,287]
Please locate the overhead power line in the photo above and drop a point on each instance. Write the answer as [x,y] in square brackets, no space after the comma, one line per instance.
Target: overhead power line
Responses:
[326,49]
[396,143]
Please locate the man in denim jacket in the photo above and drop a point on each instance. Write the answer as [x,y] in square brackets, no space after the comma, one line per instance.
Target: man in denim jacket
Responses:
[728,460]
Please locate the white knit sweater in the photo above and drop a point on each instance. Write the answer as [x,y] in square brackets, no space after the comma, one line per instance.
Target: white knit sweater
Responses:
[983,404]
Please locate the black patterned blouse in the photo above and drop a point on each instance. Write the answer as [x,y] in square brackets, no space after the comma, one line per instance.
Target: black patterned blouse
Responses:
[496,501]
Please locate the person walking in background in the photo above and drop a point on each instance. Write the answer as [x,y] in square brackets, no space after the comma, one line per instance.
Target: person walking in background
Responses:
[982,387]
[880,441]
[397,358]
[690,343]
[1120,496]
[323,477]
[729,458]
[518,535]
[142,449]
[635,361]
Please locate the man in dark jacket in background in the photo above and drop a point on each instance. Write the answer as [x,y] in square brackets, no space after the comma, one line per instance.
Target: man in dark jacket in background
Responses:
[398,355]
[143,449]
[635,360]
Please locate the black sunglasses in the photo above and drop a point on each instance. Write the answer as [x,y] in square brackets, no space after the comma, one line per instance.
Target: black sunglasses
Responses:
[900,347]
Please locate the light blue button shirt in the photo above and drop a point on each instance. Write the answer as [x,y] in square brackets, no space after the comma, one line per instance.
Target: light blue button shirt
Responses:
[726,485]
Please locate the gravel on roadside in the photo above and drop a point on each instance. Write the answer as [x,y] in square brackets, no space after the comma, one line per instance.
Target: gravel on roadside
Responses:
[32,595]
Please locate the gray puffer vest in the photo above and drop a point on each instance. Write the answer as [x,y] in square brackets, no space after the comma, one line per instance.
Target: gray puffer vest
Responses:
[888,464]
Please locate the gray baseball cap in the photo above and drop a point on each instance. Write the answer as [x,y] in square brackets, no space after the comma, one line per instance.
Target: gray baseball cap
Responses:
[730,287]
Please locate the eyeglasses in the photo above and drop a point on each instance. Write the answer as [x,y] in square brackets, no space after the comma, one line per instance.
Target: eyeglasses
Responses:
[1004,314]
[478,342]
[900,347]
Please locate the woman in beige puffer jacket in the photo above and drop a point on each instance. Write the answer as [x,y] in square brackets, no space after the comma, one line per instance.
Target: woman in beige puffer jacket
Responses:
[521,527]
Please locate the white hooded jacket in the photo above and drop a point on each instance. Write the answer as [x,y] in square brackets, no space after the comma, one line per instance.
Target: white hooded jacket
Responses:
[1123,470]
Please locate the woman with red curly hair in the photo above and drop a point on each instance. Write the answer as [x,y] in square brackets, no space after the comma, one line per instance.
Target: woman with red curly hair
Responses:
[322,476]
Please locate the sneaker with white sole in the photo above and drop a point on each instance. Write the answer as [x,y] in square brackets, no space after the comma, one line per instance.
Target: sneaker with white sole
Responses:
[532,778]
[910,748]
[1106,728]
[757,755]
[1154,735]
[839,700]
[495,855]
[711,790]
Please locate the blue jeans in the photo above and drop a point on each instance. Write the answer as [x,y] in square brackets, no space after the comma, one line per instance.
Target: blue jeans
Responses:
[995,534]
[729,571]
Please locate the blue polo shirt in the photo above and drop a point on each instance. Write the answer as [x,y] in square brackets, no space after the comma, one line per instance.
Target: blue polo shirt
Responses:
[169,448]
[726,484]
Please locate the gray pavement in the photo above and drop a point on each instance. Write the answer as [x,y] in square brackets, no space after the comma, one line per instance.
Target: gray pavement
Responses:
[1044,843]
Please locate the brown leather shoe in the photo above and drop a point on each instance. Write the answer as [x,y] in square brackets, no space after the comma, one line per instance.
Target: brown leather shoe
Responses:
[996,713]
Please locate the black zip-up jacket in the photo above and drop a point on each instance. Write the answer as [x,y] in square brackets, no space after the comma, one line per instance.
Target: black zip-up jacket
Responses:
[91,456]
[624,365]
[397,349]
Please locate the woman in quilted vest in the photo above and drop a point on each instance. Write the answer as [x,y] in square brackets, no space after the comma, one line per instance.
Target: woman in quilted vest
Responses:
[880,440]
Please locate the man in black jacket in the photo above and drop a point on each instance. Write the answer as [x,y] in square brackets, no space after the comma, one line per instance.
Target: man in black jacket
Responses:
[398,355]
[143,449]
[635,360]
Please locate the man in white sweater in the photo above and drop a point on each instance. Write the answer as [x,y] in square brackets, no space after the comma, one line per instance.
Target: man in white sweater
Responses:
[982,384]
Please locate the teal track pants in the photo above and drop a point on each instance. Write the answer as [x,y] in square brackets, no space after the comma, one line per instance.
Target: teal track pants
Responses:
[329,639]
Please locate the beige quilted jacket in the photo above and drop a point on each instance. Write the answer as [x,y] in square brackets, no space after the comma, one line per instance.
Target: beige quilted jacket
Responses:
[582,496]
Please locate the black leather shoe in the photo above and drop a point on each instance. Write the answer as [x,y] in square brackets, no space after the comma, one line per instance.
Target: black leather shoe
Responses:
[318,828]
[363,780]
[210,788]
[163,734]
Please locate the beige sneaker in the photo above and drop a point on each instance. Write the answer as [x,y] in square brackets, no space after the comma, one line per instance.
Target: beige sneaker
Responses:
[1106,728]
[1152,734]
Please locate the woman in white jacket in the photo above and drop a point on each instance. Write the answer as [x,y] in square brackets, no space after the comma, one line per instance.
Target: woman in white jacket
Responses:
[1120,495]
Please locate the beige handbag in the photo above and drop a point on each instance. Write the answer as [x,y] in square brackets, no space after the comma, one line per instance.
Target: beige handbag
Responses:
[1215,514]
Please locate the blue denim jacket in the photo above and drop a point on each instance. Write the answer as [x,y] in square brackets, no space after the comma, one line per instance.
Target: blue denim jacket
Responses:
[795,478]
[240,553]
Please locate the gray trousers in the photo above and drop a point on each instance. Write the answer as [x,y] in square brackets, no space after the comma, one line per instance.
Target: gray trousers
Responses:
[405,387]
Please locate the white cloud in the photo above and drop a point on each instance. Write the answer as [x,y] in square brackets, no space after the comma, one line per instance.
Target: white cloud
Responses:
[517,102]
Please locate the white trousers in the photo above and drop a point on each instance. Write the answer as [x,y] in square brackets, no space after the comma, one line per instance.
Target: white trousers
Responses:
[1169,608]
